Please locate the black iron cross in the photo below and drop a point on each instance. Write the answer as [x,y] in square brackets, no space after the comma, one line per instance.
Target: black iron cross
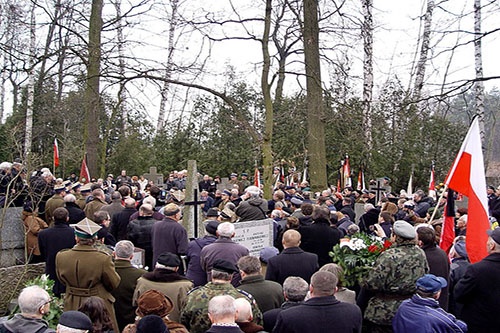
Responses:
[195,204]
[378,189]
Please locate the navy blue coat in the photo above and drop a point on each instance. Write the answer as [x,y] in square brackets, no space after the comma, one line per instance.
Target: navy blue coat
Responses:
[320,314]
[271,316]
[479,291]
[194,271]
[292,262]
[51,241]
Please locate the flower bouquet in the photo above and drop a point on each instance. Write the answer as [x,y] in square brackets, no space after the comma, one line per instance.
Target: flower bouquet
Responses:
[356,255]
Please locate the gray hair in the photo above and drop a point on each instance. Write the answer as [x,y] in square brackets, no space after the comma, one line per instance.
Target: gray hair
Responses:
[66,329]
[244,310]
[254,191]
[116,195]
[100,216]
[295,288]
[130,203]
[5,165]
[324,283]
[275,213]
[368,207]
[221,307]
[149,200]
[124,249]
[249,264]
[225,229]
[31,299]
[69,198]
[146,209]
[220,275]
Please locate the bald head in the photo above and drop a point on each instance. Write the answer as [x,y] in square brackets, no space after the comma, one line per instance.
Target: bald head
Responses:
[291,238]
[129,203]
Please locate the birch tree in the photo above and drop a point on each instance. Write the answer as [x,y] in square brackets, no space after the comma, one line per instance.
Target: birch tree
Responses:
[121,64]
[367,34]
[478,65]
[424,50]
[31,84]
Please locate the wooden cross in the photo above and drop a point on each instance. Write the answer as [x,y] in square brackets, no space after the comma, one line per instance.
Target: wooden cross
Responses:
[195,204]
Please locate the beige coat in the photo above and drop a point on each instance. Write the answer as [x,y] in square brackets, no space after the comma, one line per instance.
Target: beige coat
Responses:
[32,226]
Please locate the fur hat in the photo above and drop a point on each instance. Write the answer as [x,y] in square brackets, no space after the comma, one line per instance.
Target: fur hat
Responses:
[153,302]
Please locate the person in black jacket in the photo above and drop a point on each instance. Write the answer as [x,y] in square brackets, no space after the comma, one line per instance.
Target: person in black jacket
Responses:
[139,231]
[75,213]
[479,289]
[54,239]
[459,264]
[293,261]
[319,237]
[119,222]
[347,209]
[322,312]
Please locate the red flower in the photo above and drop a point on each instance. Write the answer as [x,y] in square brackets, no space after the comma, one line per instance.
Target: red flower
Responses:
[387,244]
[373,248]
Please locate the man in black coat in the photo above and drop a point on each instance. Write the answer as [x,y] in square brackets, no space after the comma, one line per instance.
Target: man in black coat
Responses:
[54,239]
[293,261]
[119,221]
[294,290]
[479,289]
[319,238]
[322,312]
[75,213]
[347,209]
[437,260]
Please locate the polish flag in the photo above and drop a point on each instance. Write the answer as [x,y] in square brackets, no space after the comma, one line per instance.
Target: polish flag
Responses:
[84,171]
[432,184]
[347,172]
[256,178]
[467,177]
[56,153]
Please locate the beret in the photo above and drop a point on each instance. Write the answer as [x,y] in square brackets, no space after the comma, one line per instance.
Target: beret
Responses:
[494,234]
[225,266]
[211,227]
[212,212]
[296,201]
[168,259]
[404,229]
[151,324]
[76,320]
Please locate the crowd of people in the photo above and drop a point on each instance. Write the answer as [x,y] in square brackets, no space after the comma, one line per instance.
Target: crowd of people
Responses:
[90,233]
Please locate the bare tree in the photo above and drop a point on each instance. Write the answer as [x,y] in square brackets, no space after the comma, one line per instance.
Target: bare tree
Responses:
[31,83]
[367,34]
[424,50]
[478,65]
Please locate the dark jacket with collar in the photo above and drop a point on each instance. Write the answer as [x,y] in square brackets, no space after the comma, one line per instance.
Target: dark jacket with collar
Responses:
[125,311]
[271,315]
[168,236]
[458,267]
[194,271]
[50,242]
[320,314]
[75,213]
[222,248]
[139,233]
[439,266]
[267,294]
[292,261]
[224,329]
[479,291]
[252,209]
[119,223]
[319,238]
[22,324]
[347,210]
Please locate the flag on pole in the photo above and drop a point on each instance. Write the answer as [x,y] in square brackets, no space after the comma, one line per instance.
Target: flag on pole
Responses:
[256,178]
[304,175]
[282,174]
[432,183]
[84,171]
[467,177]
[347,172]
[56,153]
[448,230]
[409,189]
[361,180]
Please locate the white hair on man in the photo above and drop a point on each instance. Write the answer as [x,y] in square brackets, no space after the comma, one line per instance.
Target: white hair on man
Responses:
[149,200]
[243,309]
[5,165]
[66,329]
[295,288]
[31,299]
[225,229]
[253,191]
[367,207]
[124,249]
[69,198]
[221,308]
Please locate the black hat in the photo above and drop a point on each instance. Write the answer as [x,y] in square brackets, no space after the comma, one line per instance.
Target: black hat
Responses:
[225,266]
[211,227]
[28,206]
[169,259]
[151,324]
[212,212]
[76,320]
[494,234]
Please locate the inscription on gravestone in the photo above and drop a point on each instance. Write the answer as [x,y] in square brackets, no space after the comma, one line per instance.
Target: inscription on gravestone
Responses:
[254,235]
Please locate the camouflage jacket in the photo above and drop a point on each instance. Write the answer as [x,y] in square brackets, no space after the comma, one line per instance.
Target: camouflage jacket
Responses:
[392,279]
[194,315]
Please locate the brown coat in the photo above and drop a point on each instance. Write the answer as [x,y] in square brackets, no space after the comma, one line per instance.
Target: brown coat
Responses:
[32,226]
[92,207]
[87,272]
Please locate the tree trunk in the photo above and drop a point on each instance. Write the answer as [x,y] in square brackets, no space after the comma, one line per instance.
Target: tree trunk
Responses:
[314,99]
[31,85]
[424,50]
[367,34]
[478,64]
[121,64]
[168,69]
[3,80]
[92,89]
[267,154]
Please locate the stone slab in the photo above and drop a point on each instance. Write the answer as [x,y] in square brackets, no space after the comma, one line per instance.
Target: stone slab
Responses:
[254,235]
[359,209]
[224,184]
[154,176]
[12,231]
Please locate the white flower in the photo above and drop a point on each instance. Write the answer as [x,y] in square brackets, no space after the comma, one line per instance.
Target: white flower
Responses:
[44,277]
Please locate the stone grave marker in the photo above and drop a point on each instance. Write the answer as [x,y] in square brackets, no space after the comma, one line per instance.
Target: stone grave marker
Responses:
[191,213]
[380,189]
[154,176]
[11,237]
[254,235]
[224,184]
[359,209]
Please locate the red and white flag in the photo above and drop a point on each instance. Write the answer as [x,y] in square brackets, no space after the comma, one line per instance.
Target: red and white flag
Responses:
[432,183]
[467,177]
[56,153]
[256,178]
[84,171]
[347,172]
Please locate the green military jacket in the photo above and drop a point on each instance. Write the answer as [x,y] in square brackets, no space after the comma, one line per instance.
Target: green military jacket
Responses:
[194,315]
[393,279]
[54,202]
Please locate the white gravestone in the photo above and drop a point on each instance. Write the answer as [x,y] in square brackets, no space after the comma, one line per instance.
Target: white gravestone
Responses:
[254,235]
